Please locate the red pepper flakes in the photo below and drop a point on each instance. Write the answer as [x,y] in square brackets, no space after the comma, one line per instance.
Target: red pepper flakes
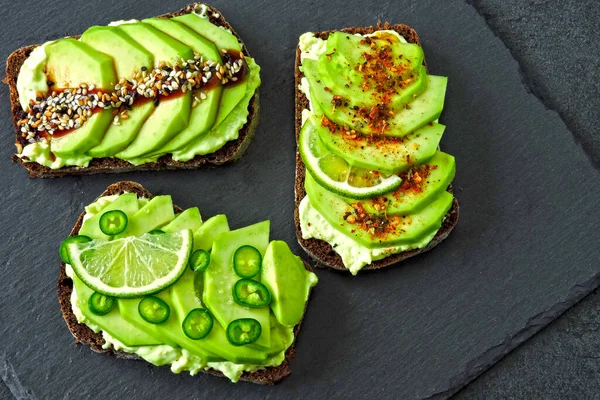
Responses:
[413,180]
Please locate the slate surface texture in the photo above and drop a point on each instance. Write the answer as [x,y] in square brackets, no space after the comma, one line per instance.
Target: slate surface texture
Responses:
[557,44]
[524,251]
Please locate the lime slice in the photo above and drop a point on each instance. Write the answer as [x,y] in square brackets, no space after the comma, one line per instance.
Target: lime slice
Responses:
[335,174]
[132,266]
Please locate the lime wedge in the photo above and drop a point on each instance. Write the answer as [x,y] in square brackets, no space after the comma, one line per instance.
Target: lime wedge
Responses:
[335,174]
[132,266]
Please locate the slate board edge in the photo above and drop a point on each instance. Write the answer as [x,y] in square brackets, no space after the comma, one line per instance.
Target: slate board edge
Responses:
[531,85]
[534,325]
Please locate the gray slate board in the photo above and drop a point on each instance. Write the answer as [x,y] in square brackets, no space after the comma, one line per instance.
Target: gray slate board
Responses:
[557,45]
[521,254]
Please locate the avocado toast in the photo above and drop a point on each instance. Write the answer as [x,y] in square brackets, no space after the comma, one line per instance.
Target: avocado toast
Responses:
[379,190]
[178,91]
[124,330]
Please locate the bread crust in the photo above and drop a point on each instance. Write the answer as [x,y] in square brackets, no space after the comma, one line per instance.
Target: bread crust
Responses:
[319,250]
[83,334]
[230,152]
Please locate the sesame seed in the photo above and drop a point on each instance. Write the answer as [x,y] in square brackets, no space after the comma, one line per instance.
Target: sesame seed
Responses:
[72,107]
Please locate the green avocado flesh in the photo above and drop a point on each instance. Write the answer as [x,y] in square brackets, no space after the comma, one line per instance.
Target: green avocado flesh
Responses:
[289,285]
[220,275]
[170,117]
[232,95]
[389,155]
[128,56]
[203,116]
[374,106]
[344,51]
[398,230]
[219,36]
[284,273]
[424,108]
[69,64]
[440,172]
[183,123]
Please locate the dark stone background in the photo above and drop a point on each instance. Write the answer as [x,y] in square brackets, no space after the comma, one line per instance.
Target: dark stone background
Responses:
[557,44]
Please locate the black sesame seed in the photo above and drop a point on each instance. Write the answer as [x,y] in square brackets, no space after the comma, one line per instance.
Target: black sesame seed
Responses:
[144,68]
[50,83]
[156,101]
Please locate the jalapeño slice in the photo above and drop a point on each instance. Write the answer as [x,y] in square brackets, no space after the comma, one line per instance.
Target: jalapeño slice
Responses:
[154,310]
[197,324]
[247,261]
[64,254]
[100,304]
[243,331]
[113,222]
[251,293]
[199,260]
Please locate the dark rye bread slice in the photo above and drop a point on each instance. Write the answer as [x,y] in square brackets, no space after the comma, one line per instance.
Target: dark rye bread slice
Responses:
[230,152]
[83,334]
[321,251]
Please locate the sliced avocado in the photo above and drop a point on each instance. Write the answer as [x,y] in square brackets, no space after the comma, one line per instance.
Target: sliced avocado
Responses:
[284,274]
[84,138]
[127,202]
[230,127]
[118,137]
[112,323]
[224,40]
[187,36]
[206,234]
[282,336]
[230,98]
[171,116]
[339,69]
[203,115]
[219,36]
[188,219]
[426,107]
[219,278]
[156,213]
[383,153]
[183,299]
[169,332]
[69,64]
[127,54]
[129,57]
[398,230]
[403,200]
